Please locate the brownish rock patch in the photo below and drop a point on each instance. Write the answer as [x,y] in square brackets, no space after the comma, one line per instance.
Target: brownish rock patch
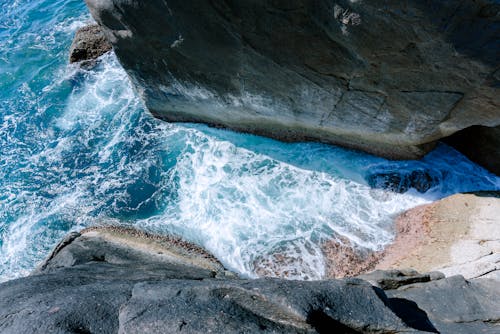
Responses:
[343,260]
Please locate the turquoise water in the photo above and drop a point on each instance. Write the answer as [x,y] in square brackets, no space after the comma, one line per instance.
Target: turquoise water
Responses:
[78,149]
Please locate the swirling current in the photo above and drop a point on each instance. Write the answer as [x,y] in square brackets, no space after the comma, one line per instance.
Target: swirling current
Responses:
[79,149]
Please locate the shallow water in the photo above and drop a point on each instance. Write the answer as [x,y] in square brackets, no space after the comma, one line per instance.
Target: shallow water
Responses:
[78,149]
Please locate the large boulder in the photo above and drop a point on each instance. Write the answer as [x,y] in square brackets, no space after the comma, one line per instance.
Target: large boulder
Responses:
[385,76]
[114,280]
[453,305]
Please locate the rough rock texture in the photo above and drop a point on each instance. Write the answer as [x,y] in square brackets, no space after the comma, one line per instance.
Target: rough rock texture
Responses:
[389,77]
[123,281]
[480,144]
[343,259]
[88,44]
[459,235]
[454,305]
[139,254]
[401,182]
[393,279]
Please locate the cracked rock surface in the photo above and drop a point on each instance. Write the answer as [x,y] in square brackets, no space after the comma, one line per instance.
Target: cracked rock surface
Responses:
[388,77]
[114,280]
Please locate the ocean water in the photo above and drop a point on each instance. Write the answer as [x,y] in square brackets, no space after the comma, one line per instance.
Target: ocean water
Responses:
[78,149]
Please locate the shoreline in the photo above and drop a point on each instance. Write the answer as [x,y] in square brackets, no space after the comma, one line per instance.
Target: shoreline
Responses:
[115,279]
[454,235]
[458,235]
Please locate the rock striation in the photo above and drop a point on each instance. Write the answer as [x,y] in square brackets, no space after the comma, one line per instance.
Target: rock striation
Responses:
[115,280]
[387,77]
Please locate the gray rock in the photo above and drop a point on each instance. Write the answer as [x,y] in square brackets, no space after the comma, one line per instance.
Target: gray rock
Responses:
[393,279]
[454,305]
[62,302]
[88,44]
[101,254]
[264,305]
[435,275]
[116,281]
[387,77]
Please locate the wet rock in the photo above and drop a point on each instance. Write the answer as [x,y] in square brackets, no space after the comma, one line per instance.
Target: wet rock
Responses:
[381,76]
[344,259]
[89,44]
[402,181]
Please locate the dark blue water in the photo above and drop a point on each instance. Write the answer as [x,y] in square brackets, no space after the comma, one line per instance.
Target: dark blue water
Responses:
[78,149]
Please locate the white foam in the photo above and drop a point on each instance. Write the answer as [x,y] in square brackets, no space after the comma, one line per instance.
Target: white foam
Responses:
[241,205]
[246,199]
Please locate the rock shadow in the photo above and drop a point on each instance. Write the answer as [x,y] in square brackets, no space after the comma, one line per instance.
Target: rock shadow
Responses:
[411,314]
[408,311]
[322,323]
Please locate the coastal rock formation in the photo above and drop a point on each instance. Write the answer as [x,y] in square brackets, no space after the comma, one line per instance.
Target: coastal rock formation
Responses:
[89,44]
[459,235]
[393,279]
[115,280]
[387,77]
[400,181]
[480,144]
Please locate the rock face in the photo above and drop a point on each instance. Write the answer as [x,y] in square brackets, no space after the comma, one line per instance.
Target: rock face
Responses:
[387,77]
[459,235]
[89,44]
[121,281]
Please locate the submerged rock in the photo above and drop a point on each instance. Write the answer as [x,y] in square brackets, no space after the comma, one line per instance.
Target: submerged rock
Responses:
[114,280]
[402,181]
[386,77]
[88,44]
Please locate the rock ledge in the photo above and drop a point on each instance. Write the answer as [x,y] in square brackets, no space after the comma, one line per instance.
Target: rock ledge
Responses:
[115,280]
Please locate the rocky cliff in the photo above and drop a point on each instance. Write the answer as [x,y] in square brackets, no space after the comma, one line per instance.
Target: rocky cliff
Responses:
[388,77]
[110,280]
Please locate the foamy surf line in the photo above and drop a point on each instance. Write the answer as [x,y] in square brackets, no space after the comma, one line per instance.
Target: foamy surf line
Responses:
[79,150]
